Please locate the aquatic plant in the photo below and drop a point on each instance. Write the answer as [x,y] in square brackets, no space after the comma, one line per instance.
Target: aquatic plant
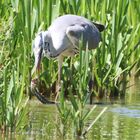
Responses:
[64,111]
[80,114]
[76,111]
[13,108]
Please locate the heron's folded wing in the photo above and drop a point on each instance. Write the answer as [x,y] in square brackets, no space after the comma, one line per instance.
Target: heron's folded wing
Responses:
[83,32]
[74,33]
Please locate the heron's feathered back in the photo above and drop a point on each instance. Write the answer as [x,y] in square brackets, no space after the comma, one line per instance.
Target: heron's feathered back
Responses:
[68,29]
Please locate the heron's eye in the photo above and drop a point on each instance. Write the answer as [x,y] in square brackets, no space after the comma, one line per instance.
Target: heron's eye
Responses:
[46,44]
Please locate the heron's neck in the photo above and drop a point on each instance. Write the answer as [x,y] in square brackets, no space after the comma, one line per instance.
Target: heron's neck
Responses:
[49,51]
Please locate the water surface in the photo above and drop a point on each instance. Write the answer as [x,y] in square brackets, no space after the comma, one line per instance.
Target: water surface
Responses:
[119,122]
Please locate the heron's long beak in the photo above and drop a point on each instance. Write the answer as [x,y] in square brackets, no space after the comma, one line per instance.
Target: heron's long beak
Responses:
[38,57]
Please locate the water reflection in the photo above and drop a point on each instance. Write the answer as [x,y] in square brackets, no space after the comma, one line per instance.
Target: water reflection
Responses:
[121,122]
[117,124]
[132,111]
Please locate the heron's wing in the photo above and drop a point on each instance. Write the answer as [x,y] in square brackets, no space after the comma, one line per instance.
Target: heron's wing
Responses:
[74,33]
[85,32]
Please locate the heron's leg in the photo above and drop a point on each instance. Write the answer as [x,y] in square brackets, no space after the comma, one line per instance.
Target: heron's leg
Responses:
[60,61]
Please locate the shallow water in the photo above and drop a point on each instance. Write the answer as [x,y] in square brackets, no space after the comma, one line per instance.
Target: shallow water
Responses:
[119,122]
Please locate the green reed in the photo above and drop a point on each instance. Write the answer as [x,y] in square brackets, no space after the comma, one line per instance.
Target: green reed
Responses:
[64,111]
[76,114]
[12,101]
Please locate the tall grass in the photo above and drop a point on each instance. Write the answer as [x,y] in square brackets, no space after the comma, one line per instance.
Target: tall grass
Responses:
[110,64]
[116,57]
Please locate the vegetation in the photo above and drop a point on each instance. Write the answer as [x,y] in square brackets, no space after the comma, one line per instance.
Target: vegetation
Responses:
[77,111]
[107,68]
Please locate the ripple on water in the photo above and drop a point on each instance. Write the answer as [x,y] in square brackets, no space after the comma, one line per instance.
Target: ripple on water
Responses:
[133,111]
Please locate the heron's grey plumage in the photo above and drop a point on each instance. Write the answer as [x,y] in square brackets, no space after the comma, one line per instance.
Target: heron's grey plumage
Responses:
[63,36]
[66,31]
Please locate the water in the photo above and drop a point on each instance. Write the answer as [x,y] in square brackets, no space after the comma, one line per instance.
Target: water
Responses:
[119,122]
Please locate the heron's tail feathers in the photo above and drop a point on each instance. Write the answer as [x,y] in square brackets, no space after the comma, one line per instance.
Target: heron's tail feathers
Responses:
[100,27]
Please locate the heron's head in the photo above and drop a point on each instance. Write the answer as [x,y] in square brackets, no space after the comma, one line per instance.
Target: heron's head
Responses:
[39,45]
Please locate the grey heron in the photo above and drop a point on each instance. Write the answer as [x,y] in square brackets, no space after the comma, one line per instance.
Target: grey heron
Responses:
[62,39]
